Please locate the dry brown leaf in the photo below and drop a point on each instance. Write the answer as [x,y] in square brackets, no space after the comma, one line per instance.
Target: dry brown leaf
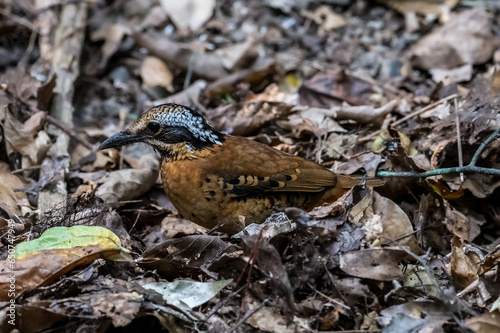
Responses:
[18,87]
[272,93]
[486,323]
[26,138]
[234,56]
[332,88]
[325,17]
[154,72]
[8,201]
[457,223]
[312,120]
[367,161]
[384,221]
[189,96]
[454,75]
[381,264]
[189,253]
[190,14]
[11,201]
[245,118]
[172,226]
[420,6]
[337,146]
[43,267]
[465,39]
[464,267]
[205,65]
[112,36]
[128,184]
[414,316]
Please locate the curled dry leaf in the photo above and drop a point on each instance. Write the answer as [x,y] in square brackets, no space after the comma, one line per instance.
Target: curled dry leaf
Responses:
[325,17]
[312,120]
[273,93]
[454,75]
[465,39]
[276,224]
[384,221]
[154,72]
[464,267]
[457,223]
[486,323]
[171,226]
[128,184]
[189,96]
[11,201]
[8,201]
[26,138]
[112,35]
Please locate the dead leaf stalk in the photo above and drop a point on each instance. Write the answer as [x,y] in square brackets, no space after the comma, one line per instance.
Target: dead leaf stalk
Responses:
[459,141]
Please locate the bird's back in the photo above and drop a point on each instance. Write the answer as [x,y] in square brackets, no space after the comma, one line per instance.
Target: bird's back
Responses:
[247,178]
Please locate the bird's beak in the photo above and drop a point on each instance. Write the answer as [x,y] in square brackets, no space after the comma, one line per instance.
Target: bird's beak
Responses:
[120,139]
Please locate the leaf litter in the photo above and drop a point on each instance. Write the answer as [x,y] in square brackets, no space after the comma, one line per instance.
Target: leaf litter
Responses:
[354,85]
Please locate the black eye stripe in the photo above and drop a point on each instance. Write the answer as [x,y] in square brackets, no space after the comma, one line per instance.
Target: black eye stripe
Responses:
[154,126]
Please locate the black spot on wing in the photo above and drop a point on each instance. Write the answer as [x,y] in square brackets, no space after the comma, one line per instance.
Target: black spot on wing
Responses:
[274,183]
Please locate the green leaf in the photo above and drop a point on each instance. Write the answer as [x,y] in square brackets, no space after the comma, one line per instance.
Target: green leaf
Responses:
[65,238]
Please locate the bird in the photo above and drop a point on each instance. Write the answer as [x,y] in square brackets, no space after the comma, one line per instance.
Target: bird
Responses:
[224,182]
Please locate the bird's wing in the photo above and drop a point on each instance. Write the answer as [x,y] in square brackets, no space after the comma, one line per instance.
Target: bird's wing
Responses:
[255,168]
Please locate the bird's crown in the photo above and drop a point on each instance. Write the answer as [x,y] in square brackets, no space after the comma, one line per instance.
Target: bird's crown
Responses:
[176,115]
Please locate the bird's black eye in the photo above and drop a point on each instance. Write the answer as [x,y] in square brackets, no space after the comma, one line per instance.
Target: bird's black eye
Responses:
[154,126]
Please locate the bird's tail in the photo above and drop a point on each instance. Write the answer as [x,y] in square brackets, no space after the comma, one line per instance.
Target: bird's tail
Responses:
[351,181]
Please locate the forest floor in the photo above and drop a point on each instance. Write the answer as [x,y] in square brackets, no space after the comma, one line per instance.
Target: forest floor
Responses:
[361,87]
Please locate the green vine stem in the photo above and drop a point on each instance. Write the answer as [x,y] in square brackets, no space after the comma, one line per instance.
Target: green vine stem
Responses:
[467,169]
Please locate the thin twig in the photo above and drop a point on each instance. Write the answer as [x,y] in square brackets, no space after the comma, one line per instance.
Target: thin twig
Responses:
[220,304]
[136,219]
[34,167]
[189,74]
[66,129]
[411,115]
[459,141]
[248,315]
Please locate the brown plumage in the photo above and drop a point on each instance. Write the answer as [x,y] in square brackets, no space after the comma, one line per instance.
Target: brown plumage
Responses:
[212,178]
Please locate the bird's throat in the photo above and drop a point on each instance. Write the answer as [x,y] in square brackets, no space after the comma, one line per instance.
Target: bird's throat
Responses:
[182,151]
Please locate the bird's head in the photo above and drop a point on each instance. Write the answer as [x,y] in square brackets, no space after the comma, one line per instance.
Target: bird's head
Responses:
[168,128]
